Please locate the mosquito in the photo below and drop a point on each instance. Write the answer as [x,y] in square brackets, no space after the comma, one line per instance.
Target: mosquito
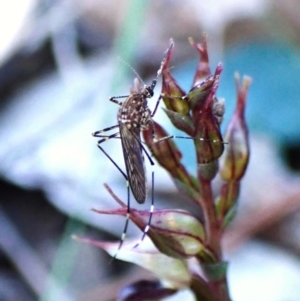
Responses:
[133,117]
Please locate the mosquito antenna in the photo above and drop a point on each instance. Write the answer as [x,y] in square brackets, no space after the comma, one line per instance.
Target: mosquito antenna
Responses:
[132,69]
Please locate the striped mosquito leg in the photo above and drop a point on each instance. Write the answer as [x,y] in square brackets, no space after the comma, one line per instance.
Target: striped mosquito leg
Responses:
[156,106]
[186,137]
[152,196]
[96,134]
[126,222]
[108,156]
[114,99]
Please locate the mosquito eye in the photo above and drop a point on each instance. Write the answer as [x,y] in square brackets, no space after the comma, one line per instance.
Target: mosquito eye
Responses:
[150,92]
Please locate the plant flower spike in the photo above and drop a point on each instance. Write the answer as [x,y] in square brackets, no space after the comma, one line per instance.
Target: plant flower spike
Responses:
[181,250]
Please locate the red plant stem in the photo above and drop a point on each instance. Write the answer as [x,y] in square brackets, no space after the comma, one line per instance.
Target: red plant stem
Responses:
[213,237]
[211,224]
[220,288]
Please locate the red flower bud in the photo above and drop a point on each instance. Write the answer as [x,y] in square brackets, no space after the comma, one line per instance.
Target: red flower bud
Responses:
[168,155]
[176,233]
[203,70]
[236,155]
[209,146]
[172,94]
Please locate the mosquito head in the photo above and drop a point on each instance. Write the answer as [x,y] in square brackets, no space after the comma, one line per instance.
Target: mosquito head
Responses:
[149,90]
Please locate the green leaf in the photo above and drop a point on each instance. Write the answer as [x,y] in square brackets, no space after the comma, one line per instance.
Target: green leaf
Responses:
[173,272]
[181,122]
[187,189]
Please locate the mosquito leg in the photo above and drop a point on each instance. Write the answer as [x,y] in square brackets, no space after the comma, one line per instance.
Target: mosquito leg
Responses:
[186,137]
[156,106]
[114,99]
[126,178]
[123,236]
[96,134]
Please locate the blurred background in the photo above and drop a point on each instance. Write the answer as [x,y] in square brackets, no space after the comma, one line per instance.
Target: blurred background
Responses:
[58,67]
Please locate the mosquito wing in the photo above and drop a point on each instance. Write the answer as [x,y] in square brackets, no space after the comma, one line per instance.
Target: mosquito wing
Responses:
[134,161]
